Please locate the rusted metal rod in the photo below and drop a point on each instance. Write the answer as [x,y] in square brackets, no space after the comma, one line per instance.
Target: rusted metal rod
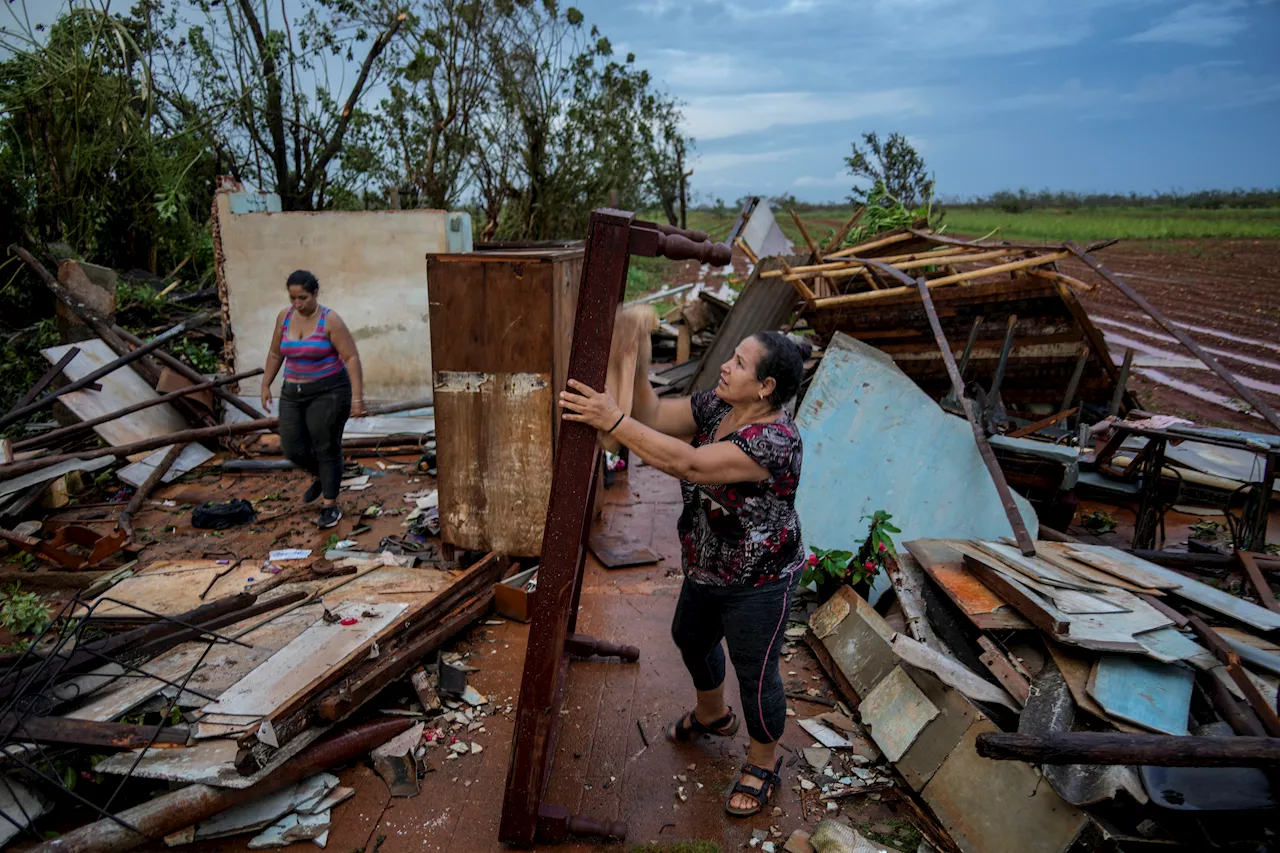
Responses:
[184,369]
[91,377]
[171,812]
[1272,417]
[1025,543]
[54,436]
[43,382]
[149,484]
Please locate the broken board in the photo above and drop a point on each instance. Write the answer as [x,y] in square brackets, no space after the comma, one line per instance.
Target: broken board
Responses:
[618,551]
[120,388]
[986,610]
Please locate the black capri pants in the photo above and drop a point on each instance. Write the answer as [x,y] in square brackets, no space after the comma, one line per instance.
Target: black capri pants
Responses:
[752,620]
[312,417]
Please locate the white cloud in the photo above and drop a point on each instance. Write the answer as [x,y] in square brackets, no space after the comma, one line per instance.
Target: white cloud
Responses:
[839,179]
[728,160]
[1202,24]
[731,115]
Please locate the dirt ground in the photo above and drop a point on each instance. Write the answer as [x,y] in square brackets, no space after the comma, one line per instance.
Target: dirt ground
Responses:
[1224,293]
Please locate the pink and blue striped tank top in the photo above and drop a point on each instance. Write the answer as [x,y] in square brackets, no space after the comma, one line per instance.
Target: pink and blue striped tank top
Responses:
[310,358]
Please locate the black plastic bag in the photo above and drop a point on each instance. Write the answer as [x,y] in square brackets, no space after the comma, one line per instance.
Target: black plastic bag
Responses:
[210,516]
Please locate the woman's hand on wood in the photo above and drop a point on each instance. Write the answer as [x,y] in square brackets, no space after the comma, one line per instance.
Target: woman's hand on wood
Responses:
[588,406]
[358,409]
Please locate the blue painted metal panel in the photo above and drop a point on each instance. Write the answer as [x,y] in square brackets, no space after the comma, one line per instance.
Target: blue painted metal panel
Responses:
[874,440]
[1144,692]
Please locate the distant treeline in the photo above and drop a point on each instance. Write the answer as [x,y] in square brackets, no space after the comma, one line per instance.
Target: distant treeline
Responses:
[1019,201]
[1023,200]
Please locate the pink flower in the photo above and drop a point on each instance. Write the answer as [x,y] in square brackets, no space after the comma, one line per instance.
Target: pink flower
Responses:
[883,548]
[869,566]
[813,559]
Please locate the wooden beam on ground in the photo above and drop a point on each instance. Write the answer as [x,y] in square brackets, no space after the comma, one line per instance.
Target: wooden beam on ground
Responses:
[1123,748]
[1245,393]
[1261,705]
[89,733]
[999,665]
[192,374]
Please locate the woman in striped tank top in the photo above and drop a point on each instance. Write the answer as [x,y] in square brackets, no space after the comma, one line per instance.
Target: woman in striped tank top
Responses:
[323,386]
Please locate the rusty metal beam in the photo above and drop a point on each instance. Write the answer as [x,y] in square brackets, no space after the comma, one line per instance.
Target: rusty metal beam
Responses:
[1272,417]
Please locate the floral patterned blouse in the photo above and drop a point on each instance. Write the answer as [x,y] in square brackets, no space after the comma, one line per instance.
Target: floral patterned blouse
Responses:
[743,534]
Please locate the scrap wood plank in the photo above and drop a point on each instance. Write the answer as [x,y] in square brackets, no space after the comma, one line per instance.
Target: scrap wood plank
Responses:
[120,388]
[1057,554]
[89,733]
[1123,565]
[895,712]
[945,565]
[1040,612]
[951,671]
[994,658]
[1076,666]
[1147,693]
[1036,569]
[295,668]
[1183,587]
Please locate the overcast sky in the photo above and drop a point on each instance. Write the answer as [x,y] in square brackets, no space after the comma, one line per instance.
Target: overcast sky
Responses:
[1108,95]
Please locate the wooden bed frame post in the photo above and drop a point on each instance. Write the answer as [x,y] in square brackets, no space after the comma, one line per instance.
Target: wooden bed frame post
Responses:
[612,235]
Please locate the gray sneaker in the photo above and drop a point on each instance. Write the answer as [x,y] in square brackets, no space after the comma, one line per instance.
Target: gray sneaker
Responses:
[329,517]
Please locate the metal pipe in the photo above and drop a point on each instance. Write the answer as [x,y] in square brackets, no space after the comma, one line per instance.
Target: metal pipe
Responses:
[54,436]
[176,810]
[93,376]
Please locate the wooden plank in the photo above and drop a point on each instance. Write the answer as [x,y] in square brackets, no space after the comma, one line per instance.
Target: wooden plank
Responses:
[1147,693]
[1123,565]
[876,295]
[171,587]
[1056,553]
[1260,585]
[950,671]
[289,672]
[986,610]
[1000,666]
[1035,568]
[908,581]
[1035,609]
[120,389]
[1075,666]
[49,375]
[1192,590]
[567,523]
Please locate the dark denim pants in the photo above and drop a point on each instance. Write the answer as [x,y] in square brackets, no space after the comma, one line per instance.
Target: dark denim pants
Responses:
[312,416]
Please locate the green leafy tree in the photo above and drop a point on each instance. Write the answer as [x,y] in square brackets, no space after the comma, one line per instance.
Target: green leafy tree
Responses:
[265,72]
[440,86]
[895,164]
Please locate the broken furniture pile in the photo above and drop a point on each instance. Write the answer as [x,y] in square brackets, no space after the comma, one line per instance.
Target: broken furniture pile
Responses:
[227,677]
[1145,698]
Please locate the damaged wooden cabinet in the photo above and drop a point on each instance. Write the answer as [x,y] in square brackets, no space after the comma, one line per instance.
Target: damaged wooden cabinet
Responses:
[501,330]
